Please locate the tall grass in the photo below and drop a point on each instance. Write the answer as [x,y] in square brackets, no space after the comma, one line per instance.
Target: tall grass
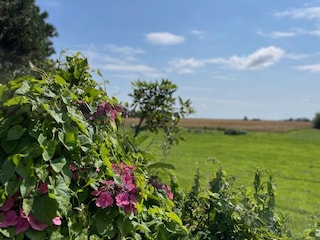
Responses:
[293,158]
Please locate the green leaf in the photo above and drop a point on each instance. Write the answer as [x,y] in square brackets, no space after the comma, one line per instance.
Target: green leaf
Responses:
[44,209]
[25,87]
[160,165]
[8,146]
[78,119]
[35,235]
[15,132]
[17,100]
[27,205]
[174,217]
[49,149]
[104,224]
[27,185]
[58,164]
[8,169]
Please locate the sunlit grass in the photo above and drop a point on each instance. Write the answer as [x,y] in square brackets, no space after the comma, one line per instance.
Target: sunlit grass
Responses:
[292,157]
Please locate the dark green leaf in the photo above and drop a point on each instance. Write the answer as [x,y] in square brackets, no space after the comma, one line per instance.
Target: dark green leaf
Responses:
[15,132]
[44,209]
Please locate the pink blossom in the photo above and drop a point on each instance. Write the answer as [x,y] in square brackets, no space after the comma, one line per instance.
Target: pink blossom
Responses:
[104,200]
[122,199]
[57,221]
[113,115]
[43,187]
[7,205]
[35,224]
[22,224]
[169,193]
[9,219]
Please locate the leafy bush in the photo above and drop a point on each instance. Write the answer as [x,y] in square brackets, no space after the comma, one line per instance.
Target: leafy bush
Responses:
[316,121]
[232,131]
[225,212]
[66,170]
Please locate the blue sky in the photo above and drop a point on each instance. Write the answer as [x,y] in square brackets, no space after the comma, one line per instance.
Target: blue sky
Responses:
[259,59]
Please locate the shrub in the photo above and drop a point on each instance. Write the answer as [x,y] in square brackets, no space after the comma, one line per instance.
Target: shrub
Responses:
[225,212]
[232,131]
[316,121]
[67,172]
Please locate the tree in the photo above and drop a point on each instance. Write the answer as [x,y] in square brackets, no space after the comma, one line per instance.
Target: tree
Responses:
[157,108]
[316,121]
[24,36]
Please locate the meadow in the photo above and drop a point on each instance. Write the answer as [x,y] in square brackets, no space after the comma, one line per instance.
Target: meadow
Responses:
[289,150]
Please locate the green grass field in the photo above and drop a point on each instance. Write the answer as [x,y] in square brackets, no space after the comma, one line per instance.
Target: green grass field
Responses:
[293,157]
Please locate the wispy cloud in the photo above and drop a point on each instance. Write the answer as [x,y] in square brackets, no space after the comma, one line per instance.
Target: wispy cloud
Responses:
[290,33]
[164,38]
[310,68]
[125,50]
[260,59]
[119,60]
[198,33]
[302,13]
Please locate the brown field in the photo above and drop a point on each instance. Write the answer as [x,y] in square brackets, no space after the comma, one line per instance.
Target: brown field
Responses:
[249,125]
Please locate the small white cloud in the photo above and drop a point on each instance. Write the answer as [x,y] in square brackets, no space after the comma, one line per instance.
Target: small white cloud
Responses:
[310,68]
[260,59]
[125,50]
[302,13]
[290,33]
[164,38]
[198,33]
[185,65]
[125,67]
[280,34]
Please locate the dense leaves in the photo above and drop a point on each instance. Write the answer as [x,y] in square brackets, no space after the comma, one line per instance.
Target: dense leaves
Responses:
[66,171]
[25,36]
[157,108]
[316,121]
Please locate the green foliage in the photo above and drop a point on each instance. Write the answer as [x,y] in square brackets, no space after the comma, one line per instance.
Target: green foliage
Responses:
[313,232]
[226,212]
[316,121]
[158,109]
[67,172]
[25,36]
[233,131]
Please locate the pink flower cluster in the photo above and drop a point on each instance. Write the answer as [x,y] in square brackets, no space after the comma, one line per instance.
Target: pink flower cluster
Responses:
[12,215]
[163,187]
[121,194]
[104,109]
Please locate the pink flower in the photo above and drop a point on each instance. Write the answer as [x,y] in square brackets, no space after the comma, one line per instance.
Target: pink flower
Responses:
[43,187]
[169,193]
[9,219]
[7,205]
[22,224]
[122,199]
[57,221]
[35,224]
[104,200]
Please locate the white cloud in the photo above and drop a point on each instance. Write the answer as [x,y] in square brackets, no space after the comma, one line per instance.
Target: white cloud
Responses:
[290,33]
[119,60]
[186,65]
[281,34]
[198,33]
[310,68]
[164,38]
[302,13]
[125,50]
[262,58]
